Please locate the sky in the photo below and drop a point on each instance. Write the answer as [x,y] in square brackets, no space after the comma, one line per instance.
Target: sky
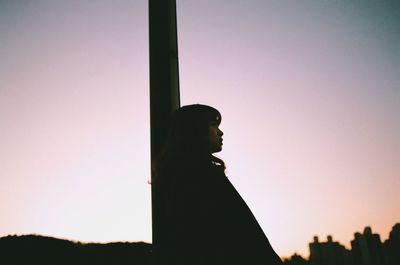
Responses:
[309,93]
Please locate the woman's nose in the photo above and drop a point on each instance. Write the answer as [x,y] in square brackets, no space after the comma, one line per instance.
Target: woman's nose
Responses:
[220,132]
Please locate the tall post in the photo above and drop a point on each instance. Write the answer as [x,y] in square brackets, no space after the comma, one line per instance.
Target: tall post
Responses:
[164,71]
[164,84]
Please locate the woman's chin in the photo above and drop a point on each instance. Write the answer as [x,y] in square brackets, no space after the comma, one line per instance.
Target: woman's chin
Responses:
[218,149]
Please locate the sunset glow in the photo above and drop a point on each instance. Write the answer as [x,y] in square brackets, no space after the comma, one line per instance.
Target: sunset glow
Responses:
[309,93]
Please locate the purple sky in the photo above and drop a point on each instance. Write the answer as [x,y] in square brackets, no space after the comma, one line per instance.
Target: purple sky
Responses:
[309,92]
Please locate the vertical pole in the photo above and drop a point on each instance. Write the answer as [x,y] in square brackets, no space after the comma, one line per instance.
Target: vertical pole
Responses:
[164,85]
[164,72]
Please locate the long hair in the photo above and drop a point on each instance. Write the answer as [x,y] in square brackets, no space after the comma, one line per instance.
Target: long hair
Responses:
[187,145]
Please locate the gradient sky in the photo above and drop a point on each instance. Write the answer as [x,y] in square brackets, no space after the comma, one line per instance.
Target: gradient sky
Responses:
[309,93]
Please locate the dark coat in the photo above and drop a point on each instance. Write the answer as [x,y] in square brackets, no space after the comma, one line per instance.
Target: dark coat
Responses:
[206,222]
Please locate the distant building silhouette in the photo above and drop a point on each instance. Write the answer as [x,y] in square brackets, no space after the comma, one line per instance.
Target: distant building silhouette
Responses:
[295,260]
[328,253]
[391,246]
[367,248]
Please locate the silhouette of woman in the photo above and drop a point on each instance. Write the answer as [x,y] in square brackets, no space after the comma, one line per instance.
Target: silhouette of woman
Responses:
[203,219]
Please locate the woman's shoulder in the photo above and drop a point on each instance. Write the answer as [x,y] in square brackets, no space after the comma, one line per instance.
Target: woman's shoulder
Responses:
[193,177]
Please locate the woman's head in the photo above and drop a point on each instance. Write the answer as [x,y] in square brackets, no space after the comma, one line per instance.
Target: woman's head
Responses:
[194,130]
[193,136]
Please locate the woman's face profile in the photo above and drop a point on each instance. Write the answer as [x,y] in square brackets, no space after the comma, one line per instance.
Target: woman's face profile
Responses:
[215,137]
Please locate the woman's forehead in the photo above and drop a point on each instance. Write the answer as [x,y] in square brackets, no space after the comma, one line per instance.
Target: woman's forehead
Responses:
[217,119]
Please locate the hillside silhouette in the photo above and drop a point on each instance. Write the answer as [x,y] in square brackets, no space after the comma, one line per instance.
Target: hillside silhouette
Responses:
[367,248]
[41,250]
